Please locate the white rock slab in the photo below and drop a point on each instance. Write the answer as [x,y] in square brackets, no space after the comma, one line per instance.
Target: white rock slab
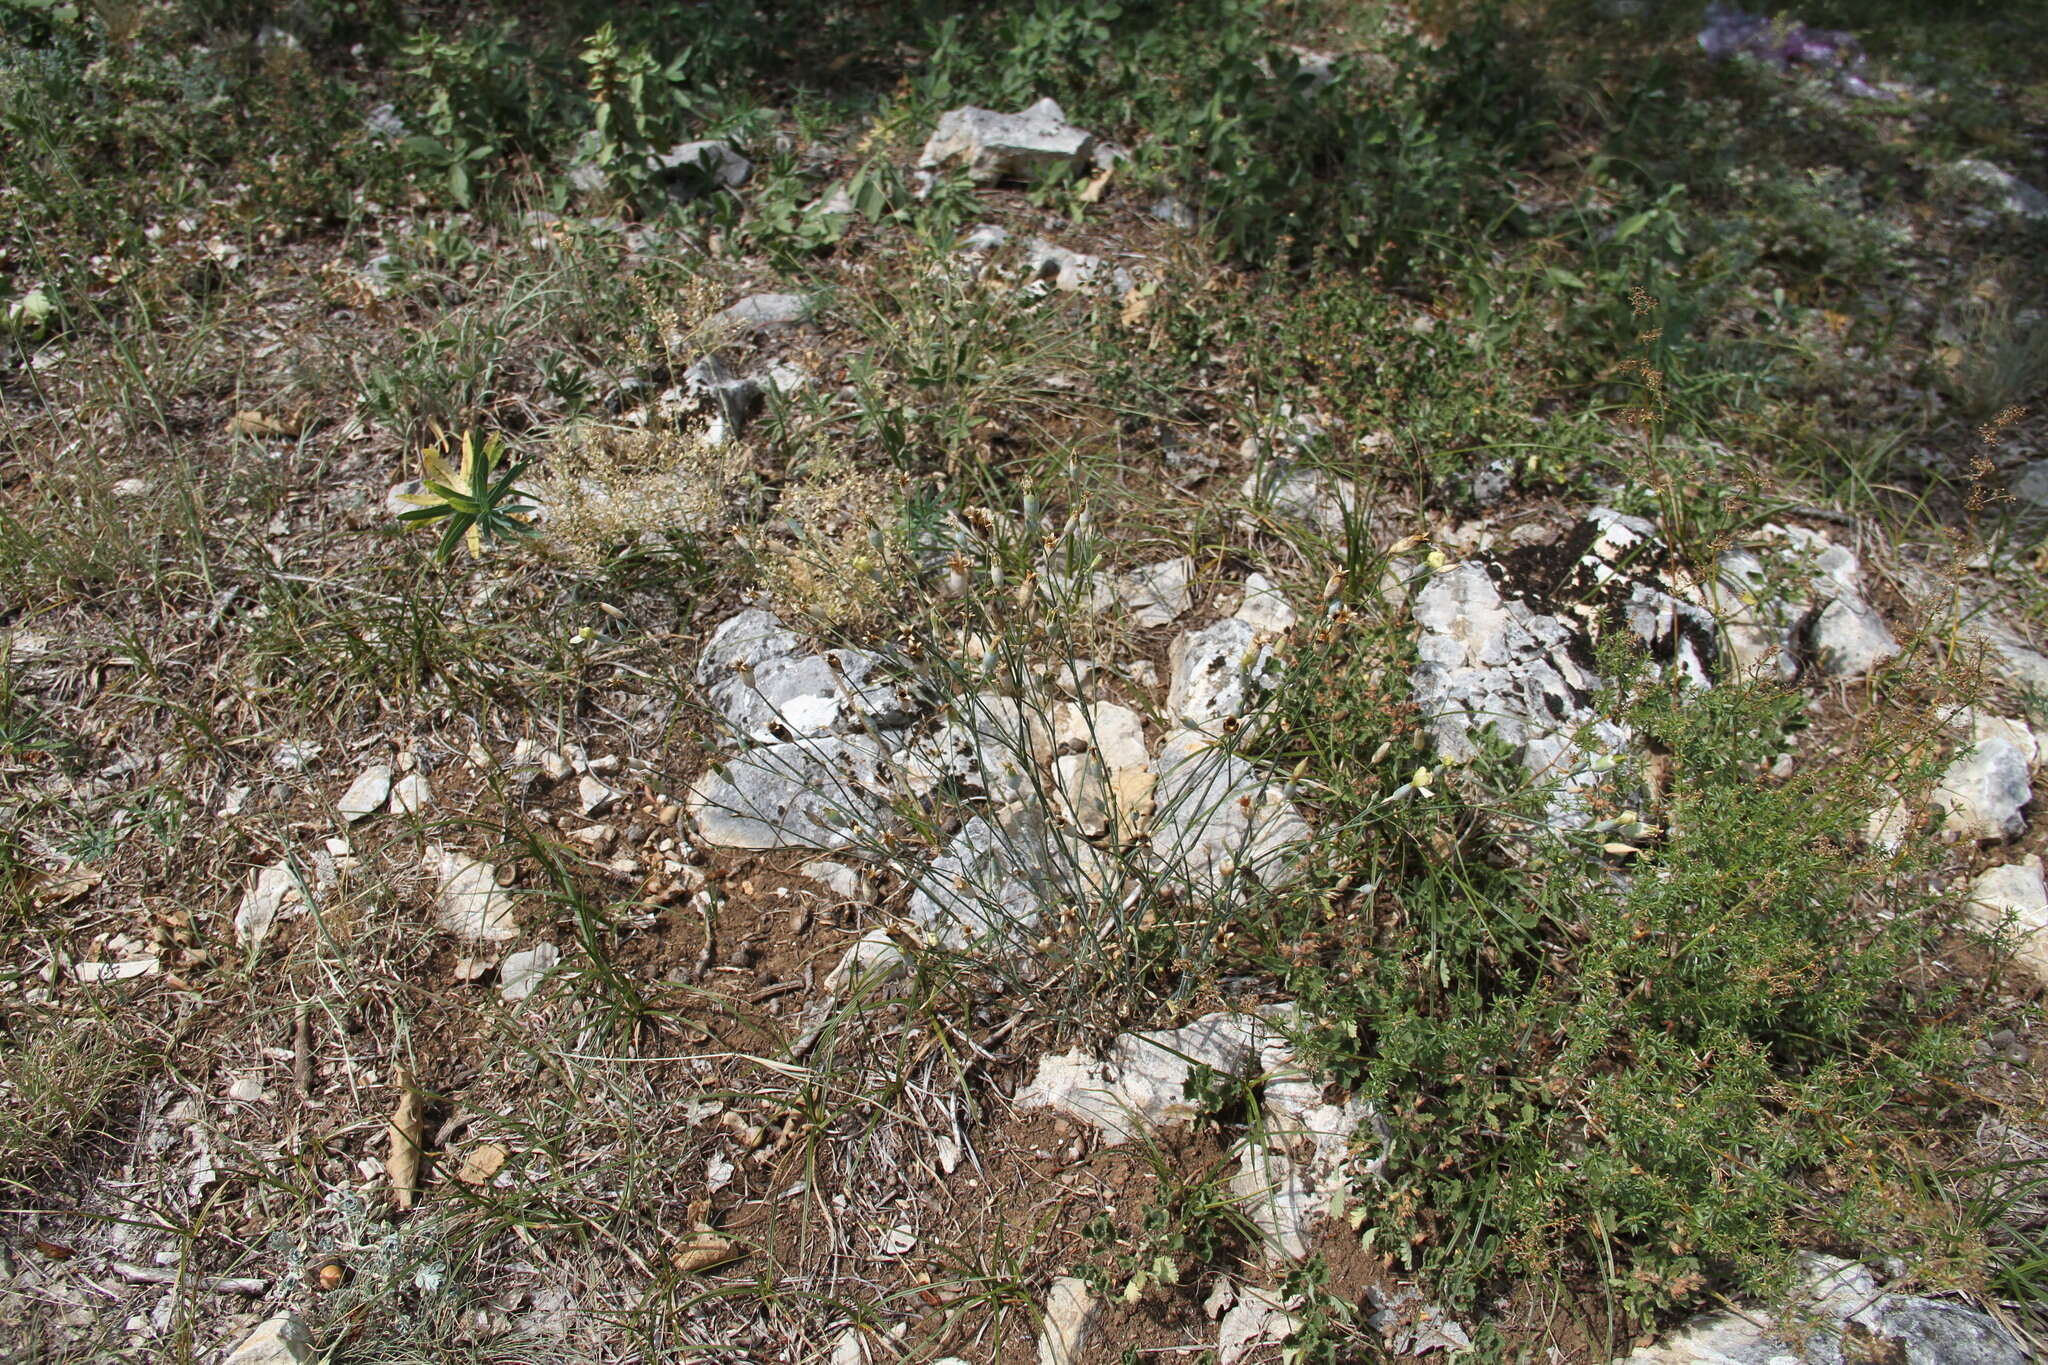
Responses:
[367,794]
[1985,790]
[1214,817]
[2013,900]
[1265,608]
[1115,733]
[812,793]
[521,973]
[275,889]
[1070,1312]
[993,146]
[1139,1084]
[282,1340]
[472,905]
[1221,672]
[412,795]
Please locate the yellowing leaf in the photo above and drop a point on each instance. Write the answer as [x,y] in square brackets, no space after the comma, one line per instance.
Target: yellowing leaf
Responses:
[481,1164]
[64,890]
[402,1164]
[702,1252]
[250,422]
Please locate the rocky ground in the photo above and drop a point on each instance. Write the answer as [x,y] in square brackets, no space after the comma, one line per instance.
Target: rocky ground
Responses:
[1053,755]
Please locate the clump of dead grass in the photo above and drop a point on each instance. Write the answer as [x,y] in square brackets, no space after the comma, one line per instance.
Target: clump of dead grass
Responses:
[604,487]
[842,555]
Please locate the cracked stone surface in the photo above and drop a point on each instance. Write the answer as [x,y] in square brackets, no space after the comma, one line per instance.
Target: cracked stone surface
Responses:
[1071,1309]
[367,794]
[990,884]
[472,905]
[2013,899]
[1985,790]
[993,146]
[821,792]
[1139,1083]
[1485,662]
[1156,594]
[769,687]
[1841,1294]
[1220,672]
[521,973]
[1850,639]
[1313,496]
[1215,816]
[275,890]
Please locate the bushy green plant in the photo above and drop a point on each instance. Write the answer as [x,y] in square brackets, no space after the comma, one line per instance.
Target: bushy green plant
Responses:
[479,103]
[1632,1081]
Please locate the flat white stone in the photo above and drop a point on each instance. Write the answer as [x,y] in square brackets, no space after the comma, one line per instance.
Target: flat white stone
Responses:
[521,973]
[1850,638]
[995,146]
[1985,789]
[1070,1312]
[282,1340]
[276,887]
[2014,899]
[1115,733]
[1265,608]
[367,794]
[472,905]
[411,795]
[1220,672]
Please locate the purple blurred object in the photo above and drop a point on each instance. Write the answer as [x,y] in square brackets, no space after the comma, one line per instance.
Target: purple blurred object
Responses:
[1783,43]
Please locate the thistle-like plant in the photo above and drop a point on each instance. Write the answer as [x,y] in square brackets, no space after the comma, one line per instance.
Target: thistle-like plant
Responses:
[478,500]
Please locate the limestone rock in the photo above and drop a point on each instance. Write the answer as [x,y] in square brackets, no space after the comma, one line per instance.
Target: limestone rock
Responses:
[1140,1083]
[1221,672]
[984,237]
[1156,594]
[1755,622]
[1256,1318]
[1080,788]
[847,883]
[707,165]
[1295,1165]
[367,794]
[808,793]
[1214,817]
[1985,789]
[1115,733]
[2013,899]
[993,146]
[472,905]
[768,687]
[411,795]
[1071,272]
[282,1340]
[761,311]
[275,889]
[872,959]
[521,973]
[1841,1295]
[2000,190]
[593,798]
[1487,663]
[991,883]
[1070,1313]
[1323,500]
[1849,638]
[1265,609]
[997,746]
